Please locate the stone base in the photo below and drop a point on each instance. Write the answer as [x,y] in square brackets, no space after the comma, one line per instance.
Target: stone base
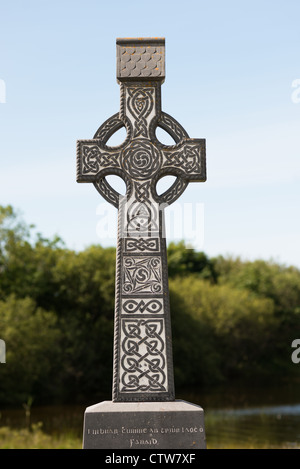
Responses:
[144,425]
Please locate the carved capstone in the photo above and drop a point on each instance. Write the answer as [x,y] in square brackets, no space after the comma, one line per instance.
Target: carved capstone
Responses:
[140,59]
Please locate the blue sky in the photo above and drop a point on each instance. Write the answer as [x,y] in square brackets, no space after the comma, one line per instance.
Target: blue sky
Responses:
[231,77]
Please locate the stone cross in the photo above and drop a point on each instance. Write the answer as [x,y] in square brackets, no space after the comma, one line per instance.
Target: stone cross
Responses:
[143,364]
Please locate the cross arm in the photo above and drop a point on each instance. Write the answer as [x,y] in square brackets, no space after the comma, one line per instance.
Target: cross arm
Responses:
[186,159]
[96,160]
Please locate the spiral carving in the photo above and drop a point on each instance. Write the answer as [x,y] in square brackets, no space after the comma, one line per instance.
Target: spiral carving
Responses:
[142,274]
[141,159]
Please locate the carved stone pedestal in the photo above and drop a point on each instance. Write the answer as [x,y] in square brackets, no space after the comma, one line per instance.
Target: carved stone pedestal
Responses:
[144,425]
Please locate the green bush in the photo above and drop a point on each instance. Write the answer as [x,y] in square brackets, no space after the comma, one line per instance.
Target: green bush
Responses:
[32,349]
[231,319]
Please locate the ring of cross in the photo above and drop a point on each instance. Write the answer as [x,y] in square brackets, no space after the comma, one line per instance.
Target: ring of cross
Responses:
[174,129]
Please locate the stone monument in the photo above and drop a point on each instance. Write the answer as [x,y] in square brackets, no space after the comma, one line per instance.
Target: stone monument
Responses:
[143,412]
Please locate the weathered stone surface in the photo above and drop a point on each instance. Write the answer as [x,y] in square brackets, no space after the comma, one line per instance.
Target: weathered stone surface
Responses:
[144,413]
[2,351]
[143,363]
[144,425]
[141,58]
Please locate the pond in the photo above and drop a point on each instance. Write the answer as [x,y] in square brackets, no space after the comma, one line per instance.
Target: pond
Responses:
[251,417]
[259,427]
[235,417]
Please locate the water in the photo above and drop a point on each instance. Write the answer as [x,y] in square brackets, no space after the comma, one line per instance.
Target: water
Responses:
[258,427]
[234,417]
[251,417]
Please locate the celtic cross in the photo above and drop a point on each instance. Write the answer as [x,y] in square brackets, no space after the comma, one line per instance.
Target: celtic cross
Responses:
[143,364]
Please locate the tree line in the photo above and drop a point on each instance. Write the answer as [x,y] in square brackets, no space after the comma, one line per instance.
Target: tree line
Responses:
[232,320]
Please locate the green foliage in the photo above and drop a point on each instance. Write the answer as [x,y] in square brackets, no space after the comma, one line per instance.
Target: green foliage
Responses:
[265,279]
[196,357]
[276,282]
[230,319]
[183,261]
[32,339]
[238,326]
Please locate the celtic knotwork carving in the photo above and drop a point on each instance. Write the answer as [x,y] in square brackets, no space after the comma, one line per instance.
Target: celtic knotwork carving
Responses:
[141,159]
[108,128]
[142,219]
[174,191]
[172,127]
[142,191]
[138,305]
[140,104]
[142,274]
[187,159]
[105,189]
[141,244]
[143,355]
[93,159]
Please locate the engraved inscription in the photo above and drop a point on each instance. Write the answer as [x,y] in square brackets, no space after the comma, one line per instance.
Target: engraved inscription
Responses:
[148,436]
[145,430]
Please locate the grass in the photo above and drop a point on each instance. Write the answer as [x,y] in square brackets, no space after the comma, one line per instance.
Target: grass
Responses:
[35,438]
